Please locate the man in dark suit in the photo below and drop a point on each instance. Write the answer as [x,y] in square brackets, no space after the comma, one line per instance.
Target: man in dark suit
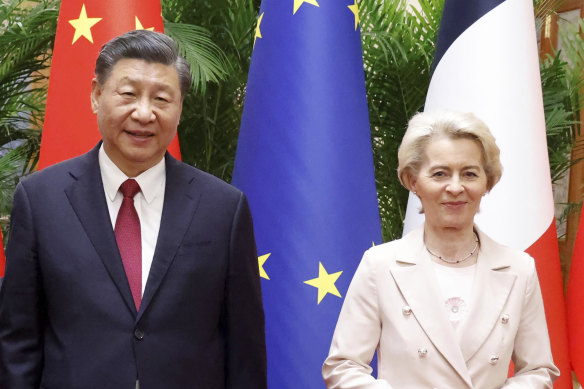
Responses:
[125,267]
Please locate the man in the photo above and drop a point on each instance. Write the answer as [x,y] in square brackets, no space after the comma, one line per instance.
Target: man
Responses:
[156,288]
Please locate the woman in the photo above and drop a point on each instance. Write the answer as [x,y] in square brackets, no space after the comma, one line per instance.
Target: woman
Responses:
[445,306]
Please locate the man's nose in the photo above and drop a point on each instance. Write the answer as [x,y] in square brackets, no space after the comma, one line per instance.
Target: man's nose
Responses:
[143,111]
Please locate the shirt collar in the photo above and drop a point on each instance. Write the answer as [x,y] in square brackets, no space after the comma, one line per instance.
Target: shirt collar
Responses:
[151,181]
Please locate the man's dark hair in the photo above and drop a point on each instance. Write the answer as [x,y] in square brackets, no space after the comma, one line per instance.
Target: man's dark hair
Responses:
[149,46]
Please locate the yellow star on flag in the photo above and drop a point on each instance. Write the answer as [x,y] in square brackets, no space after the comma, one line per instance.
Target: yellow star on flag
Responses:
[355,9]
[325,283]
[298,3]
[258,33]
[140,27]
[261,260]
[83,25]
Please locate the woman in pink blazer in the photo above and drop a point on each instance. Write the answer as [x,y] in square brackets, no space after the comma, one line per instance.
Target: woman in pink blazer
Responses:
[445,306]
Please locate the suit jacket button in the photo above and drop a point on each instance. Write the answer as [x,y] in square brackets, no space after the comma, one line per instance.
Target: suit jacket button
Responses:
[422,352]
[406,310]
[494,360]
[505,319]
[138,334]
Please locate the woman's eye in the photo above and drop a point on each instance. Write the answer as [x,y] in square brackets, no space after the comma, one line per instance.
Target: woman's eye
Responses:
[438,174]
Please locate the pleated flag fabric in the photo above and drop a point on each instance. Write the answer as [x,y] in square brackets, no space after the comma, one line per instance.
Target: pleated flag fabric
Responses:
[304,159]
[487,63]
[70,127]
[575,304]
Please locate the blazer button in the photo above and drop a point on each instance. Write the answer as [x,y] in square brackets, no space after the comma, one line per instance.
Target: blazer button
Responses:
[406,310]
[505,319]
[494,360]
[138,334]
[422,352]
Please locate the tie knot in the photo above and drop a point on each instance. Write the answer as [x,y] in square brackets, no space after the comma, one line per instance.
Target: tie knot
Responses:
[129,188]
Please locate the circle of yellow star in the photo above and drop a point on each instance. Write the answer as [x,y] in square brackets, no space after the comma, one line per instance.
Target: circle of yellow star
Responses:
[140,27]
[298,3]
[261,260]
[355,9]
[83,25]
[325,283]
[258,33]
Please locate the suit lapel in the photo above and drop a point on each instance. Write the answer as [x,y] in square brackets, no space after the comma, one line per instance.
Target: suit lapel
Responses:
[180,203]
[417,282]
[87,199]
[491,288]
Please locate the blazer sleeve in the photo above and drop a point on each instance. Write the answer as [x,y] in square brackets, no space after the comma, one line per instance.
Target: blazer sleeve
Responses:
[246,348]
[21,303]
[356,335]
[532,356]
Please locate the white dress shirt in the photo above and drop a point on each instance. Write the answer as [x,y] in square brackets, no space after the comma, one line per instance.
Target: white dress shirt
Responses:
[148,203]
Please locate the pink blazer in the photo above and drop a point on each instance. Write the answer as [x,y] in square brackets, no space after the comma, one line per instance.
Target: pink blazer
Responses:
[393,306]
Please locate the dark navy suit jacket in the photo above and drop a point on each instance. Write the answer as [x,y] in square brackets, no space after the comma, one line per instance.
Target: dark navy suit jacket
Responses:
[67,318]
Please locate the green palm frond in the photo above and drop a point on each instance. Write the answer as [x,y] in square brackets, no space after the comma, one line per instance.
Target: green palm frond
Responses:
[210,121]
[207,60]
[543,8]
[398,49]
[27,34]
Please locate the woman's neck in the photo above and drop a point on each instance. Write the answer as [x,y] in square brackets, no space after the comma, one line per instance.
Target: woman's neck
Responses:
[450,246]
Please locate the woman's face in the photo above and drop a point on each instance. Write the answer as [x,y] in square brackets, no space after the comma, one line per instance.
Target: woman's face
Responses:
[451,182]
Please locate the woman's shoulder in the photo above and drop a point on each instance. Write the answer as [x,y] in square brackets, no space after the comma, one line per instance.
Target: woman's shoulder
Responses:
[390,252]
[501,256]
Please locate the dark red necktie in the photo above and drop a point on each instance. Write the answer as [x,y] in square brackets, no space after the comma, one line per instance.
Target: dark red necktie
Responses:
[129,239]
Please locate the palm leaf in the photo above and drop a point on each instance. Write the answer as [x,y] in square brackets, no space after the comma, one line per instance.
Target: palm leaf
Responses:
[398,47]
[207,60]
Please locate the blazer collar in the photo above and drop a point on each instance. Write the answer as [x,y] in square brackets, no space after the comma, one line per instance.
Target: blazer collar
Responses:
[492,287]
[416,279]
[88,201]
[181,199]
[417,282]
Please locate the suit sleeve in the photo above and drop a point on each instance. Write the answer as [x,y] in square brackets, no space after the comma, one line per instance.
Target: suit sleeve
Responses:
[21,307]
[356,335]
[532,356]
[246,347]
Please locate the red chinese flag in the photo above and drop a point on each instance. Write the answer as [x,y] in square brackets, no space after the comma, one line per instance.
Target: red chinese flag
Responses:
[575,303]
[84,26]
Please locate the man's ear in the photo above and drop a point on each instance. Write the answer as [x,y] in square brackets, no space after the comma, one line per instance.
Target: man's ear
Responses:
[95,94]
[180,110]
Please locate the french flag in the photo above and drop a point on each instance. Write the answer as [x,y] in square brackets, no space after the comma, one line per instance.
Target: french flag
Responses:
[487,62]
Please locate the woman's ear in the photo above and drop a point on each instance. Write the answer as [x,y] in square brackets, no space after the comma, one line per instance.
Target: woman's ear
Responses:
[410,181]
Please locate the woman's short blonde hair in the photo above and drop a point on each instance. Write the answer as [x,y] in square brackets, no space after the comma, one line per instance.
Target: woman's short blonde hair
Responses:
[425,126]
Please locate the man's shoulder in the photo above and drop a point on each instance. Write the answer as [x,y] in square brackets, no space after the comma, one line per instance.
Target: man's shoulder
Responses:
[201,179]
[64,170]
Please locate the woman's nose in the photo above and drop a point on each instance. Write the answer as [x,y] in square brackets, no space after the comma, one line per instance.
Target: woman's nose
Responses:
[454,186]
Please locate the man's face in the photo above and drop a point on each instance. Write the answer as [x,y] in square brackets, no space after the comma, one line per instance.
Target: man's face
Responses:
[138,110]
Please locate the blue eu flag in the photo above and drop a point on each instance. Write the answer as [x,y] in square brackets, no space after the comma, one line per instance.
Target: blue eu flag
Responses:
[304,159]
